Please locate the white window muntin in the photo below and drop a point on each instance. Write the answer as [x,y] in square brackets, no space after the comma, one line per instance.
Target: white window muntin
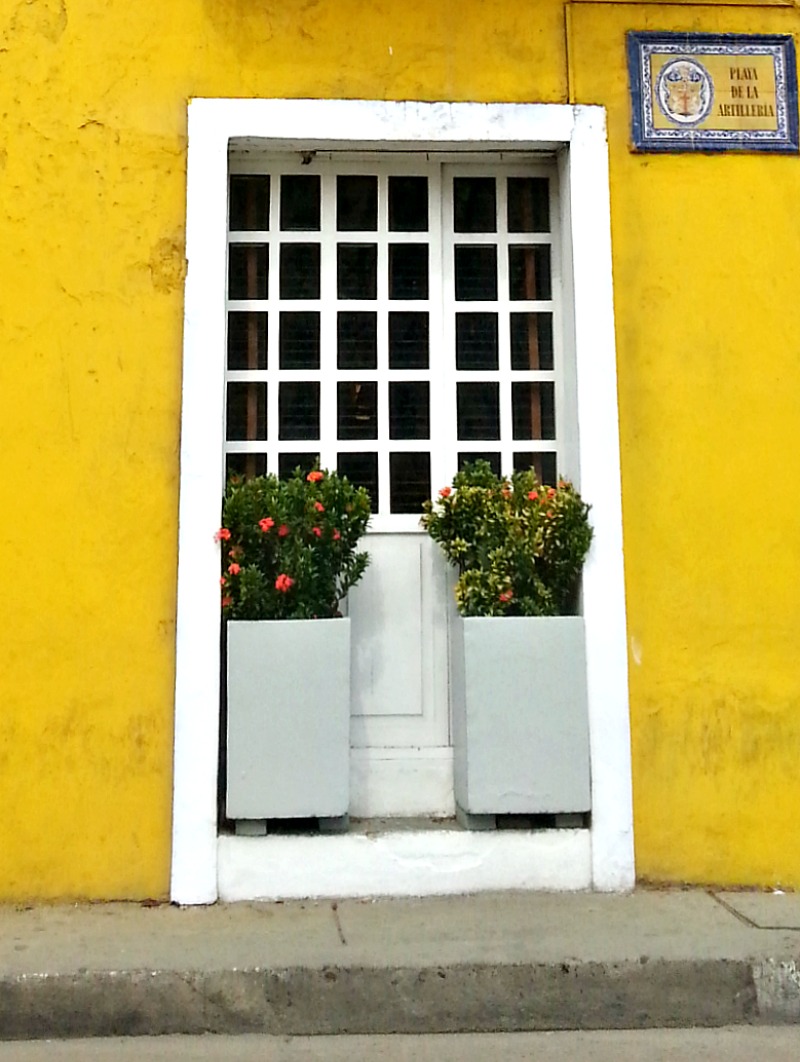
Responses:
[441,306]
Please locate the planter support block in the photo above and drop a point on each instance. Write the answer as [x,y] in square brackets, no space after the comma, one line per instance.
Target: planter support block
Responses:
[468,821]
[336,824]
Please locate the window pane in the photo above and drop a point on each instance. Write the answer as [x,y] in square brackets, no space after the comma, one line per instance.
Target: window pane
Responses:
[408,340]
[533,410]
[247,340]
[299,339]
[287,463]
[300,203]
[245,466]
[298,411]
[409,410]
[531,341]
[356,204]
[410,482]
[471,458]
[247,271]
[357,406]
[362,471]
[476,341]
[299,271]
[474,204]
[357,270]
[528,204]
[357,340]
[544,465]
[248,207]
[529,272]
[408,271]
[478,410]
[476,273]
[408,204]
[246,416]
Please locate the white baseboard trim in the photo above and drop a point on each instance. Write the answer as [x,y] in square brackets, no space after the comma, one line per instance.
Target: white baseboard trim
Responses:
[405,783]
[420,863]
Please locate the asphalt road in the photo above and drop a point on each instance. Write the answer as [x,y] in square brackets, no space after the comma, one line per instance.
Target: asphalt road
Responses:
[740,1044]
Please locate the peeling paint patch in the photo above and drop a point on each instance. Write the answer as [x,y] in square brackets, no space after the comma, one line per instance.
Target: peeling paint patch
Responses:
[167,265]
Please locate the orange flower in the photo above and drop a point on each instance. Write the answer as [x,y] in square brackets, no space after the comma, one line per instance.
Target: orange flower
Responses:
[283,583]
[283,531]
[315,476]
[506,492]
[551,492]
[445,492]
[223,533]
[336,535]
[506,596]
[533,495]
[319,507]
[317,531]
[234,569]
[227,601]
[550,513]
[266,523]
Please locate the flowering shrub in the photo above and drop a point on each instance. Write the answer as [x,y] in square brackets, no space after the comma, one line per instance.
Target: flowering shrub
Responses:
[519,546]
[289,546]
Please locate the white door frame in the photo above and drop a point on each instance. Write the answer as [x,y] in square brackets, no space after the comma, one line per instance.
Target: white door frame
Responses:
[578,134]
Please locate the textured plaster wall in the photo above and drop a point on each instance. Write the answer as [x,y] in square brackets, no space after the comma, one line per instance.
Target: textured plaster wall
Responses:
[92,196]
[92,182]
[705,261]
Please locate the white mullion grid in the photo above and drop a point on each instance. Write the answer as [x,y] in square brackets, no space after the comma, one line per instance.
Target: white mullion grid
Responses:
[382,308]
[564,402]
[444,445]
[327,306]
[504,307]
[273,321]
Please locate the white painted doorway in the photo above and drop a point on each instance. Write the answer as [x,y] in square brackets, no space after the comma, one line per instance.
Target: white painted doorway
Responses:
[222,129]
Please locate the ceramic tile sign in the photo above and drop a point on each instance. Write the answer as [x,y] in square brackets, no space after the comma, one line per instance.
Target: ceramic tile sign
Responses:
[709,92]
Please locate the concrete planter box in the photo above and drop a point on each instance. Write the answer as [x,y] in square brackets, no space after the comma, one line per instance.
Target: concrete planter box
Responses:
[288,751]
[520,716]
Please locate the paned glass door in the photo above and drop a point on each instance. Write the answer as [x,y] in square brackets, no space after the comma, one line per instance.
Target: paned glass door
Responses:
[392,318]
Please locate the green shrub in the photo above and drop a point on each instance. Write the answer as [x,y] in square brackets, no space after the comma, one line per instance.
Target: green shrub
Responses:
[519,546]
[289,546]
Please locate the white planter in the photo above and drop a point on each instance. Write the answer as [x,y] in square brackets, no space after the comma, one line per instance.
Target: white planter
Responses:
[520,715]
[288,750]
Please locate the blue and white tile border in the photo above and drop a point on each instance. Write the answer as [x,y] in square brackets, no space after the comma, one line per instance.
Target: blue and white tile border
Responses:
[642,45]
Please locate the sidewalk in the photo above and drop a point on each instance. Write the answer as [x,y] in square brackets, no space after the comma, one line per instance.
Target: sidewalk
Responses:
[492,962]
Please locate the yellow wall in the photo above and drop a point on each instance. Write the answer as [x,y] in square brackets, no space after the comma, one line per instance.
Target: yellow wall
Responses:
[92,181]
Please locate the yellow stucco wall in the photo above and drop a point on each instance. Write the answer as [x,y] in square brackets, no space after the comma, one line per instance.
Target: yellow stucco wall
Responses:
[92,184]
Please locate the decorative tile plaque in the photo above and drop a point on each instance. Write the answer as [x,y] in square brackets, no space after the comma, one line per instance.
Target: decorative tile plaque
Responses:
[708,92]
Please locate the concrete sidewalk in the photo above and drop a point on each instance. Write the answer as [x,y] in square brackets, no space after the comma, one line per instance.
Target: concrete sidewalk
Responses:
[492,962]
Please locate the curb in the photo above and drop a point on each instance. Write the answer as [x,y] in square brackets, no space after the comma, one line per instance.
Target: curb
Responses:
[358,999]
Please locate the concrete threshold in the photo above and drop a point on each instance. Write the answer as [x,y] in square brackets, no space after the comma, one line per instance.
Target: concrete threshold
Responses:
[498,962]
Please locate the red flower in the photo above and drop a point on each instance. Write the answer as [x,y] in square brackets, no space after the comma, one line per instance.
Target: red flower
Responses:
[336,535]
[315,477]
[237,551]
[533,495]
[445,492]
[562,483]
[319,507]
[317,531]
[227,601]
[234,569]
[266,523]
[506,596]
[283,531]
[550,513]
[283,583]
[223,581]
[223,533]
[551,492]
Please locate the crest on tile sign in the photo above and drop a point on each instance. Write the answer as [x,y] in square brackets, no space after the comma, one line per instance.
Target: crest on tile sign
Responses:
[705,92]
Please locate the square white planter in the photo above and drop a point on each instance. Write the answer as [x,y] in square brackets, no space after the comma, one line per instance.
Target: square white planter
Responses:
[288,751]
[520,715]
